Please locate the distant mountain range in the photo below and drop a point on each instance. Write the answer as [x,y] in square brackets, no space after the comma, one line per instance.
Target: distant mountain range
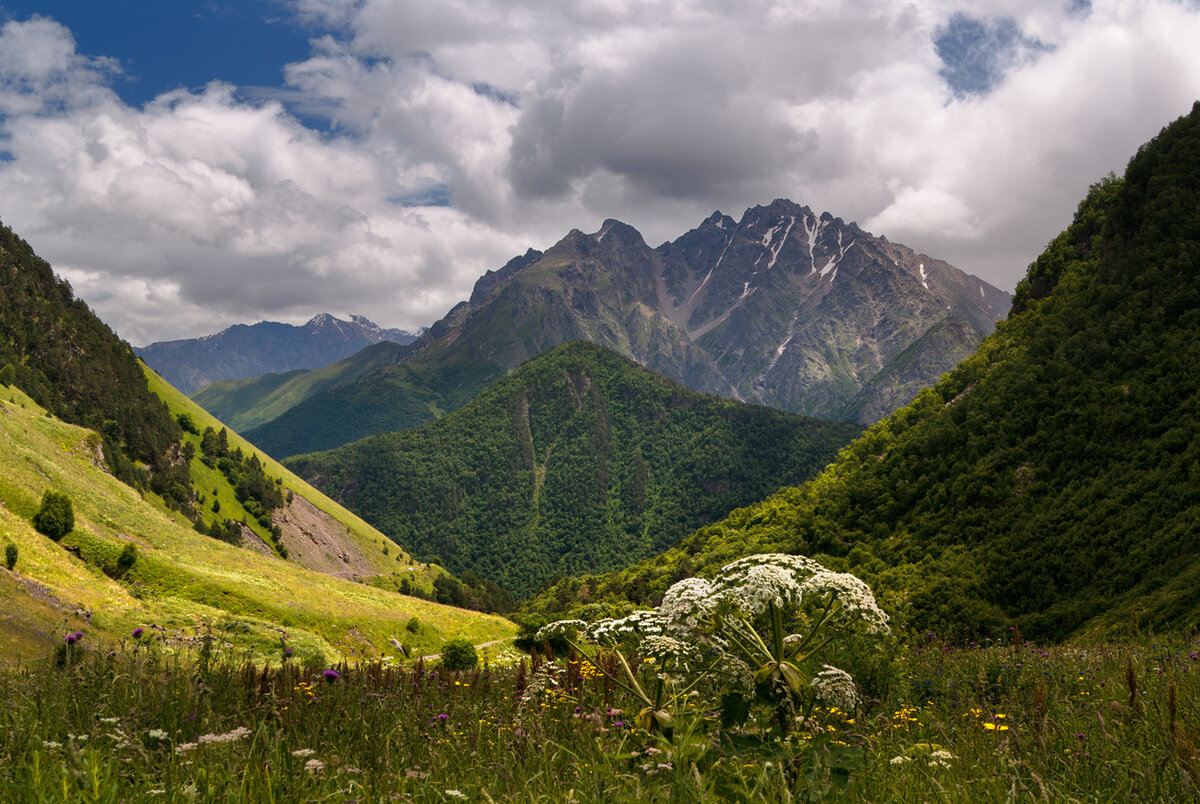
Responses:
[267,347]
[787,308]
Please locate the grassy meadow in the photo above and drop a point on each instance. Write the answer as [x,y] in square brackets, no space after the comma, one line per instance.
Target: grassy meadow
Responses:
[181,583]
[131,721]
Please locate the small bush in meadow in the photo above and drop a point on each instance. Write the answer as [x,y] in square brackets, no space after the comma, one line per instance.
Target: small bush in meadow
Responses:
[56,516]
[10,555]
[459,654]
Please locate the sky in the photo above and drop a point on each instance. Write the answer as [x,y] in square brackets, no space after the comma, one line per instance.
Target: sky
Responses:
[187,165]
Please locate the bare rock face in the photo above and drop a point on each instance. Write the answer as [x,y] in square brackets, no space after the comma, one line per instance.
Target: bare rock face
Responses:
[787,308]
[319,542]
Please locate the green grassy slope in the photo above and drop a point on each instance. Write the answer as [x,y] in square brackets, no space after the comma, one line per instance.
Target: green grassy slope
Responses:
[1050,482]
[369,540]
[580,460]
[182,582]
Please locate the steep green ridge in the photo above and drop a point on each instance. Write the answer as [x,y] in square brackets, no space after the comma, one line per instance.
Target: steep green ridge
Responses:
[395,397]
[1052,480]
[181,584]
[246,404]
[55,349]
[344,533]
[579,461]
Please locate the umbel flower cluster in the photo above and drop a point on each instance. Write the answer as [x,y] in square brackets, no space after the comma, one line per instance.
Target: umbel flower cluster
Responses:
[754,633]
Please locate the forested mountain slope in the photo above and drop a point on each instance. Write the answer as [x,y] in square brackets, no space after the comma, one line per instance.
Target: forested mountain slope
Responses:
[579,461]
[56,350]
[1052,480]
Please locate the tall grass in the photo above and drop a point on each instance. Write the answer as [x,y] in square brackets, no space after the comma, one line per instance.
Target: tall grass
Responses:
[130,722]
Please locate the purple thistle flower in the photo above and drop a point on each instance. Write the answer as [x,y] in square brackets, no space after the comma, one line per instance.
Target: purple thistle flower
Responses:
[70,639]
[332,675]
[78,635]
[137,633]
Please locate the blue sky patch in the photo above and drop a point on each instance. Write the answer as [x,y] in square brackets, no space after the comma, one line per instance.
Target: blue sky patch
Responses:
[976,53]
[434,195]
[164,45]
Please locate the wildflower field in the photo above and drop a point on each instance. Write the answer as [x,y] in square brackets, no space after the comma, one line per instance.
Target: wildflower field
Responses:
[130,722]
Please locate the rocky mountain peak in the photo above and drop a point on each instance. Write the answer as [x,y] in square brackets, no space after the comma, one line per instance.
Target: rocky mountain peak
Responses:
[785,307]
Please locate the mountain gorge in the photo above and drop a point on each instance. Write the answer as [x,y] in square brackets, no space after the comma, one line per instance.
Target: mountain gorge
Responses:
[786,308]
[579,461]
[267,347]
[1050,482]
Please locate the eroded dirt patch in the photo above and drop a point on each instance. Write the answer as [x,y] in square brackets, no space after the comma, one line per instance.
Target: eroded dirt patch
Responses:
[319,542]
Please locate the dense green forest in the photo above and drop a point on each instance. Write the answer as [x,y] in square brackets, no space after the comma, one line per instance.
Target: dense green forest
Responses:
[56,350]
[1051,481]
[579,461]
[393,397]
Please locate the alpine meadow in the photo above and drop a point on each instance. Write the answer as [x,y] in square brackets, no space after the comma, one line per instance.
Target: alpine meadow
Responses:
[776,511]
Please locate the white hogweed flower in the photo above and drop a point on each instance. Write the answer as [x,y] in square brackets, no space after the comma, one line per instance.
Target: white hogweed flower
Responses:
[855,596]
[688,603]
[759,586]
[639,623]
[566,629]
[834,686]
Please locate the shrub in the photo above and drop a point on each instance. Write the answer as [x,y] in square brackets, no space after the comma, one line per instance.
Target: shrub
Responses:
[10,555]
[314,660]
[459,654]
[413,625]
[128,557]
[56,516]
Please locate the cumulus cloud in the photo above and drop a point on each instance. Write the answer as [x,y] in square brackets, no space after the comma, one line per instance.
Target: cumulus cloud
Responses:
[461,133]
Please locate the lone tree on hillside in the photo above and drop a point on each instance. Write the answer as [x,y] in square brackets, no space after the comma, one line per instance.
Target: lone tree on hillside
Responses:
[56,517]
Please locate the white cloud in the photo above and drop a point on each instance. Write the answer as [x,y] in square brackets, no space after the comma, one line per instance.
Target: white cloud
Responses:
[536,116]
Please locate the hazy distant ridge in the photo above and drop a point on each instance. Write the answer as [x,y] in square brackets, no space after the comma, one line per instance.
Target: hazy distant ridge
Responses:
[268,347]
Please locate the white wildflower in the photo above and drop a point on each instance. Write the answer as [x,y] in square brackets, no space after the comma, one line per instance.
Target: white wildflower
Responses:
[799,567]
[836,687]
[736,675]
[227,737]
[541,681]
[314,765]
[638,623]
[303,752]
[157,734]
[667,649]
[899,760]
[762,585]
[688,603]
[567,629]
[51,744]
[456,794]
[853,595]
